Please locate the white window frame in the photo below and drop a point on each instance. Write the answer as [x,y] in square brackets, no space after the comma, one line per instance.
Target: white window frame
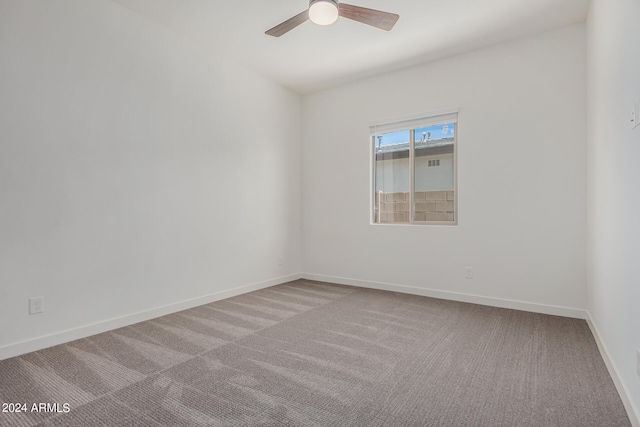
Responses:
[410,123]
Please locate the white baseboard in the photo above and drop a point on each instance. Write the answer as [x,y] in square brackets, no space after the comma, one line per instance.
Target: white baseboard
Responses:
[455,296]
[632,411]
[62,337]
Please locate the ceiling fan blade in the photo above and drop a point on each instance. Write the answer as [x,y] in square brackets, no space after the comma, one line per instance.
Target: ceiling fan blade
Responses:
[288,25]
[375,18]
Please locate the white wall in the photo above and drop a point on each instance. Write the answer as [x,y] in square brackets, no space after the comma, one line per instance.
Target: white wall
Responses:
[521,142]
[614,184]
[136,171]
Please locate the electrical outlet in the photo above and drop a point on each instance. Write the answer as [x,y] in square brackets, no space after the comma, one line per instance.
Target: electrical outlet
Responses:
[36,305]
[638,363]
[468,273]
[280,260]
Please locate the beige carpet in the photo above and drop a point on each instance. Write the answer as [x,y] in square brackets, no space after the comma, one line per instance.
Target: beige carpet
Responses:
[309,353]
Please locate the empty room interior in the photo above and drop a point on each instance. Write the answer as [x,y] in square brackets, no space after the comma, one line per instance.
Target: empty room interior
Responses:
[210,219]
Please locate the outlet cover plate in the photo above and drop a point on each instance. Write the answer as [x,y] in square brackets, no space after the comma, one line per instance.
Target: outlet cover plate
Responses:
[36,305]
[468,273]
[638,363]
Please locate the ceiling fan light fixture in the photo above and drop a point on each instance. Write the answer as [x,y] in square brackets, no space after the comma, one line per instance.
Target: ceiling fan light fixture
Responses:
[323,12]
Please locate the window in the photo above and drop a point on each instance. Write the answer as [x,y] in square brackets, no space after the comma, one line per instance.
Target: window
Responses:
[414,170]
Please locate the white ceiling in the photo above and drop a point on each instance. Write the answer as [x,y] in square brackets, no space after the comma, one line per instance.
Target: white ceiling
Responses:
[311,57]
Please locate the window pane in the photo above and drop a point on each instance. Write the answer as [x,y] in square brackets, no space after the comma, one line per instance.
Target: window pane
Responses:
[392,178]
[434,173]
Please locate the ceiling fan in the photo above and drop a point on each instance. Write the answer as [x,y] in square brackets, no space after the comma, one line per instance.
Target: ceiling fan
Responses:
[326,12]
